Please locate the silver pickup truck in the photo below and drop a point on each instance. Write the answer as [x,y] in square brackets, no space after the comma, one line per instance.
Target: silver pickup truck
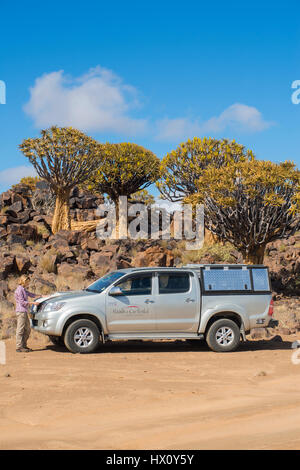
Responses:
[218,303]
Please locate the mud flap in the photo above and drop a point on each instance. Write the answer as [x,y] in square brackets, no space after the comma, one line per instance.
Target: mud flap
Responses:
[242,332]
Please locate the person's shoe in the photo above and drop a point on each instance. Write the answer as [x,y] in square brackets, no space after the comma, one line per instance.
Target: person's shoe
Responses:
[23,350]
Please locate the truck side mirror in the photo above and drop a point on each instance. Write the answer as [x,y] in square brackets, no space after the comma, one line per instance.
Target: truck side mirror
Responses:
[115,291]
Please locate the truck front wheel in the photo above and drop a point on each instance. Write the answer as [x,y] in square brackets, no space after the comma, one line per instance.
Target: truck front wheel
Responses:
[82,336]
[223,335]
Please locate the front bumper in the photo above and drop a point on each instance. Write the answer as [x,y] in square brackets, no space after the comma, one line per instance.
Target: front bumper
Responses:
[46,326]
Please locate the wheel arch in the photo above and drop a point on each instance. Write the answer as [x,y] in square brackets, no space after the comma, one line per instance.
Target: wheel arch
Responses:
[236,317]
[80,316]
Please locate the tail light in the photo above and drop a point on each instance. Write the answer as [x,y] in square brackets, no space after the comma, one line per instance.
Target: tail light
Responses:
[271,308]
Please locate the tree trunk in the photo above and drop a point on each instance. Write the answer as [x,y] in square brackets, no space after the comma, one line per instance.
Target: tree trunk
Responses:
[255,256]
[61,218]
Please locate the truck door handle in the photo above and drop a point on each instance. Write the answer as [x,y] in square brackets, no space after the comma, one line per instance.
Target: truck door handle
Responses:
[148,301]
[190,300]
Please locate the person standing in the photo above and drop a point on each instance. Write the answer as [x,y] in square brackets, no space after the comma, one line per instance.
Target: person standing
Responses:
[22,304]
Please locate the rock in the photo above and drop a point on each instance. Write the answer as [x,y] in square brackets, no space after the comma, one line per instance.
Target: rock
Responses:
[68,270]
[154,256]
[23,263]
[123,262]
[102,262]
[285,331]
[11,239]
[24,216]
[3,288]
[8,266]
[59,244]
[42,286]
[89,244]
[257,333]
[3,219]
[6,198]
[16,207]
[23,231]
[110,248]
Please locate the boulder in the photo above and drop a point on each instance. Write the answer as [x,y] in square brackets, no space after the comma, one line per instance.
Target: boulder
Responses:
[23,263]
[89,244]
[68,270]
[16,207]
[8,266]
[3,219]
[23,231]
[102,262]
[6,198]
[42,286]
[154,256]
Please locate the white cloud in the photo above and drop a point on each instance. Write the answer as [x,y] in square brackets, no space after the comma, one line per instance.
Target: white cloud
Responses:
[238,117]
[100,101]
[96,101]
[167,205]
[11,176]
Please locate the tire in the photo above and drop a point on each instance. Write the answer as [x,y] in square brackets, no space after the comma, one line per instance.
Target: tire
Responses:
[215,336]
[82,336]
[56,340]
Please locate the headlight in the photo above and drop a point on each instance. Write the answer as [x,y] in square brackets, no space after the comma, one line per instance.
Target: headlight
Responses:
[53,306]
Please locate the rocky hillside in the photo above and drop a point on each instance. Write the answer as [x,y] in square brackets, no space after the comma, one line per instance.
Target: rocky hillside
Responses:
[73,259]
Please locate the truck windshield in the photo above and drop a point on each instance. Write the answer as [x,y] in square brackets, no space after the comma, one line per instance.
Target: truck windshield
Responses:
[104,282]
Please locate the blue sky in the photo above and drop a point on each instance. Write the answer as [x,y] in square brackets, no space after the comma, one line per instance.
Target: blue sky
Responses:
[155,73]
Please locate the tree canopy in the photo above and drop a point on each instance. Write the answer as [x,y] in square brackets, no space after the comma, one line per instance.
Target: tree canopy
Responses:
[182,168]
[250,204]
[64,157]
[125,169]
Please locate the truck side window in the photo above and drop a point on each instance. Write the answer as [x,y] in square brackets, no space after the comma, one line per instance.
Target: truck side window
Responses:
[174,283]
[136,285]
[226,280]
[260,279]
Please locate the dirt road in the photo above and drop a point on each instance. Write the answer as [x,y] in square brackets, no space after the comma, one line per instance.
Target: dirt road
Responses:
[166,395]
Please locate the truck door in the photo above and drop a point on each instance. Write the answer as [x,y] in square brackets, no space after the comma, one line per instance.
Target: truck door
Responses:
[177,302]
[133,310]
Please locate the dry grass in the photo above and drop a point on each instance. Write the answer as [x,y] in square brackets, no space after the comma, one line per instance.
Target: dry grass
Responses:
[42,230]
[17,248]
[287,312]
[219,252]
[47,263]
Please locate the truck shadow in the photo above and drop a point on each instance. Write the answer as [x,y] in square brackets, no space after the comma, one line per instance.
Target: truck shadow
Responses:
[177,346]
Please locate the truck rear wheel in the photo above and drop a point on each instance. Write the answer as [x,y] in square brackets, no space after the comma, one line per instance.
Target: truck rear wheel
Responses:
[223,335]
[82,336]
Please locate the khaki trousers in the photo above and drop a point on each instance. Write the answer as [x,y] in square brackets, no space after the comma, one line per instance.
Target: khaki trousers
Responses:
[23,330]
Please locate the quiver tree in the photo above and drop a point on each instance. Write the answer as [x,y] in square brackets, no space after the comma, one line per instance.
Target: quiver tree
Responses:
[182,168]
[64,157]
[125,169]
[250,204]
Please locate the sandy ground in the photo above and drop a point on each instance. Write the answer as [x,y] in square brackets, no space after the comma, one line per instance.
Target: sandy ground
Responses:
[153,395]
